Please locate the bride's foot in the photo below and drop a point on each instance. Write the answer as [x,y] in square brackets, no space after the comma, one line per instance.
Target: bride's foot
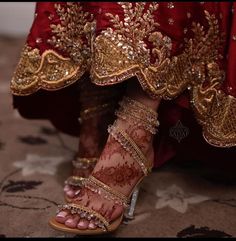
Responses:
[97,112]
[82,167]
[126,158]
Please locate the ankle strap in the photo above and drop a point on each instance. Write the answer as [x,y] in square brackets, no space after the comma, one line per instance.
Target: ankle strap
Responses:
[83,162]
[140,114]
[97,186]
[130,146]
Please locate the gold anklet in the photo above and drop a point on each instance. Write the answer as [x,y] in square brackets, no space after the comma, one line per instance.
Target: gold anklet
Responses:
[136,120]
[84,163]
[139,114]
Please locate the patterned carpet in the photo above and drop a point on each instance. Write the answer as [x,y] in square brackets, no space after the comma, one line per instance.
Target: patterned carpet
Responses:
[187,200]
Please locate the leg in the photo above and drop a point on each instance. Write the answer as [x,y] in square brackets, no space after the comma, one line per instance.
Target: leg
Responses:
[117,167]
[97,106]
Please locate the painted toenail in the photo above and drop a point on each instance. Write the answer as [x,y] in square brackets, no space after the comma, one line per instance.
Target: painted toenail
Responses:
[91,225]
[69,221]
[66,188]
[81,224]
[70,193]
[62,214]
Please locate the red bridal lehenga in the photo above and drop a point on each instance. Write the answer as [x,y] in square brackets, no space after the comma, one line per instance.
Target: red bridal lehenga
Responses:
[183,52]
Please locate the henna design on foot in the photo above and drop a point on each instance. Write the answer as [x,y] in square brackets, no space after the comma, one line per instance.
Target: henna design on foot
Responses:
[120,175]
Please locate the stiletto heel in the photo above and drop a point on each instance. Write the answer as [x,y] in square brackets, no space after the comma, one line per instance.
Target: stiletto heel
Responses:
[129,213]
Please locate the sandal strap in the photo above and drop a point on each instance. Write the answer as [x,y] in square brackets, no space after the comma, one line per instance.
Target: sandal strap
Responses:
[140,114]
[84,162]
[130,146]
[86,213]
[99,187]
[74,181]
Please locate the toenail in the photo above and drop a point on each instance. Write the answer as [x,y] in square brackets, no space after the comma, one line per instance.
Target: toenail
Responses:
[70,193]
[91,225]
[62,214]
[66,188]
[70,220]
[81,224]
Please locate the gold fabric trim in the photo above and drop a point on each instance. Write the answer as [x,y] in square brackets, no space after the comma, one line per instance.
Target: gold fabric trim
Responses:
[120,52]
[219,128]
[50,71]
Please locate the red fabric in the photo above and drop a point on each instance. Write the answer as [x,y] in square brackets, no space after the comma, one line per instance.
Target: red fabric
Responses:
[41,26]
[166,147]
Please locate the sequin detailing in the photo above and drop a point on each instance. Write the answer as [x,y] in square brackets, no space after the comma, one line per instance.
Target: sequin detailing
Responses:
[47,71]
[38,40]
[51,70]
[121,51]
[171,21]
[170,5]
[69,34]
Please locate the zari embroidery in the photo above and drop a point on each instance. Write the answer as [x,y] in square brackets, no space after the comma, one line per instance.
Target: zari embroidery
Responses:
[118,57]
[51,71]
[70,34]
[121,51]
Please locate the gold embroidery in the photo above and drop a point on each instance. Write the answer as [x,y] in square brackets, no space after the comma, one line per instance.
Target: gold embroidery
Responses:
[70,33]
[52,71]
[219,128]
[121,52]
[49,71]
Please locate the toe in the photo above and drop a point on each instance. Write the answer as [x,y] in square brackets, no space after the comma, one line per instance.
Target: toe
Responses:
[61,217]
[66,188]
[83,224]
[72,222]
[116,213]
[70,193]
[92,225]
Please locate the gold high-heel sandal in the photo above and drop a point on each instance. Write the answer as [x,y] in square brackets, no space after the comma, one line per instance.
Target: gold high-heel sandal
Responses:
[95,185]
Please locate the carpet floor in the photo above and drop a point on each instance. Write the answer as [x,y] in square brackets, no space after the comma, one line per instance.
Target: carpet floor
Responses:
[174,201]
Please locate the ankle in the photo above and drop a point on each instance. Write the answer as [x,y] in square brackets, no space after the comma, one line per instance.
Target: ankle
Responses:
[135,92]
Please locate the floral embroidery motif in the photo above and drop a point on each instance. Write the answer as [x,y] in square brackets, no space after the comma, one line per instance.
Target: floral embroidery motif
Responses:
[51,70]
[133,46]
[69,34]
[117,58]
